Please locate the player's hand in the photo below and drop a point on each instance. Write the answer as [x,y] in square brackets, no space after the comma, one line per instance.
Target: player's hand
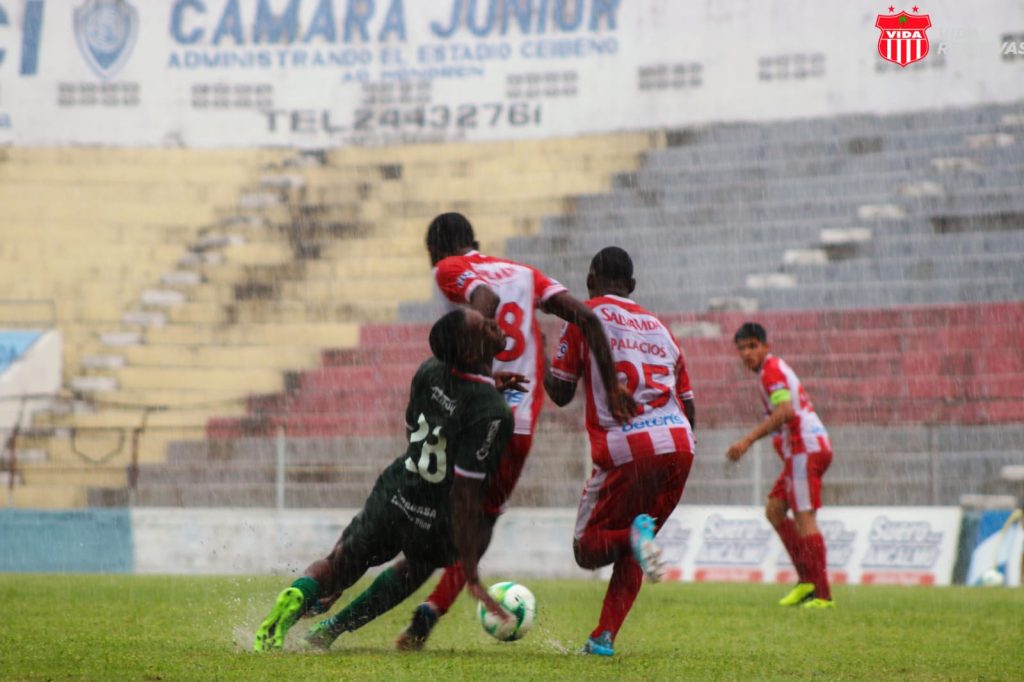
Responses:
[737,449]
[621,404]
[504,381]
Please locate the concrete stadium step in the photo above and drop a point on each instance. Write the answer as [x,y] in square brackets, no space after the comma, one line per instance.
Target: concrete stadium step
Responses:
[308,334]
[249,313]
[297,495]
[158,475]
[266,356]
[341,451]
[881,184]
[956,159]
[60,474]
[704,147]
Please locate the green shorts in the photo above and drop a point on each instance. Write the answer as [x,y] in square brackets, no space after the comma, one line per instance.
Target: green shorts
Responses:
[390,523]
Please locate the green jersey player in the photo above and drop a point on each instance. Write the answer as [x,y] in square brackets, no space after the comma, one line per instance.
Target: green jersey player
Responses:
[427,503]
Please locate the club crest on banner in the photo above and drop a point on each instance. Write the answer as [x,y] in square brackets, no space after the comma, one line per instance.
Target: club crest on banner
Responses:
[904,39]
[105,31]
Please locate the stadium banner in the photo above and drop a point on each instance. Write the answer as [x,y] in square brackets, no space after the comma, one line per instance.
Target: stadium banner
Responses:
[866,545]
[14,343]
[997,549]
[318,73]
[31,364]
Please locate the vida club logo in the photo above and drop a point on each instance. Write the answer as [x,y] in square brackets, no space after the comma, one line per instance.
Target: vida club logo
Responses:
[106,31]
[903,40]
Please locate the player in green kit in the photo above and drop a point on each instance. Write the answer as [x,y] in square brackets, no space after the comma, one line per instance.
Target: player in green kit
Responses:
[427,503]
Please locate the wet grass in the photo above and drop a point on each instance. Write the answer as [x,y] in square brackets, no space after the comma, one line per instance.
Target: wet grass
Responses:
[174,628]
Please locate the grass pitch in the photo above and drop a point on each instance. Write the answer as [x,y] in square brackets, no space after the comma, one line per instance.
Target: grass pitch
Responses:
[174,628]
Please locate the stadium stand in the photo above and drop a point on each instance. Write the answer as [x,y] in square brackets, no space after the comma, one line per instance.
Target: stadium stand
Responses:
[880,251]
[887,245]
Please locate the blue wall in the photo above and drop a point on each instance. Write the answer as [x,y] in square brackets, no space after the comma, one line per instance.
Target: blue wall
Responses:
[81,541]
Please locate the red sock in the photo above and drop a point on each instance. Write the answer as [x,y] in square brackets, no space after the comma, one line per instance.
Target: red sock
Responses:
[602,547]
[621,593]
[791,540]
[817,565]
[448,588]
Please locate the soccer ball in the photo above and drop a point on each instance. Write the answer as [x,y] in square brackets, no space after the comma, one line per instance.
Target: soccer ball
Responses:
[993,577]
[515,599]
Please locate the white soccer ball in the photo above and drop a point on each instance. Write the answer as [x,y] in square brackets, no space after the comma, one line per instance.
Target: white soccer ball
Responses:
[515,599]
[993,577]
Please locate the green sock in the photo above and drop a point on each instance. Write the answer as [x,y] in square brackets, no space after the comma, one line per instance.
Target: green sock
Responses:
[386,592]
[310,590]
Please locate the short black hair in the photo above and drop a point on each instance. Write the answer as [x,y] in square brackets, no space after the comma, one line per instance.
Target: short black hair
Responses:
[750,330]
[612,264]
[449,233]
[446,337]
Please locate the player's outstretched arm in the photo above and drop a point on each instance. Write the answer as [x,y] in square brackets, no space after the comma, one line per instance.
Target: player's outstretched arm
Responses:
[620,401]
[560,392]
[467,517]
[781,413]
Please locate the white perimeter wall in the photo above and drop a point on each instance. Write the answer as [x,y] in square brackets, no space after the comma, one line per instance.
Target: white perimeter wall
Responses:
[896,545]
[219,73]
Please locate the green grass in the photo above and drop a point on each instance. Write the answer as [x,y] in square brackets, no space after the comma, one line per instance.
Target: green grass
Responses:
[172,628]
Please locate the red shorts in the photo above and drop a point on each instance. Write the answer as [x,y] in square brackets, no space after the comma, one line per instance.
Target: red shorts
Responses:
[612,498]
[504,480]
[799,484]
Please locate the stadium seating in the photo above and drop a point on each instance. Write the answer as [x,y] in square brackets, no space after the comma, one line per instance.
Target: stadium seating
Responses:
[898,388]
[187,296]
[873,248]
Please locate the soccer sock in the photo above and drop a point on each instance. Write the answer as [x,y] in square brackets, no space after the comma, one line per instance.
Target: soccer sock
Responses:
[602,547]
[310,590]
[448,589]
[618,599]
[817,565]
[791,540]
[386,592]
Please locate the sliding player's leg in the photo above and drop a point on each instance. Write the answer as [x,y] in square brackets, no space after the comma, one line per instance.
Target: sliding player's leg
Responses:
[453,579]
[369,540]
[391,587]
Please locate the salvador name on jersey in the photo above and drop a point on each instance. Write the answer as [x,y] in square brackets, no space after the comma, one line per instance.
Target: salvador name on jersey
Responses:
[647,358]
[805,431]
[458,426]
[522,290]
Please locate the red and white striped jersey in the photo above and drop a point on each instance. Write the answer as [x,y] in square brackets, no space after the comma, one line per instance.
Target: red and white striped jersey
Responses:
[805,431]
[521,289]
[647,358]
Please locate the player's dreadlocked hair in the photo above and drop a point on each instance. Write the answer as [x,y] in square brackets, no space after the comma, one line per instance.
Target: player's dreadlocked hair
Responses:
[750,330]
[446,337]
[612,264]
[449,233]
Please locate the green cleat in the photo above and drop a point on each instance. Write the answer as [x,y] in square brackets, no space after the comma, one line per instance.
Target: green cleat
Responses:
[798,595]
[819,604]
[286,611]
[319,637]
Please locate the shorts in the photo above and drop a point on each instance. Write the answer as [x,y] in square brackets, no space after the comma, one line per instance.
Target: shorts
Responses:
[612,498]
[388,524]
[504,480]
[799,484]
